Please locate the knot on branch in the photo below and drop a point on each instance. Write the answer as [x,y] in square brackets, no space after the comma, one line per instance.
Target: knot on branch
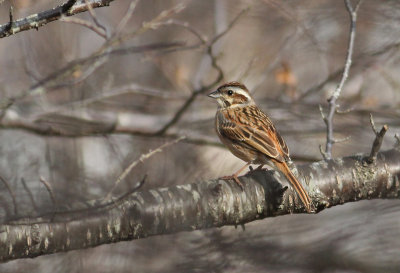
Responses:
[272,188]
[376,146]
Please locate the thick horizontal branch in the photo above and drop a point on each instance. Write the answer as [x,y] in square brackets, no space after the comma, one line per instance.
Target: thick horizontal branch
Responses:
[207,204]
[34,21]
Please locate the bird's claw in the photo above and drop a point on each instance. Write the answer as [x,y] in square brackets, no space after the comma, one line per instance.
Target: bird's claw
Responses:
[235,178]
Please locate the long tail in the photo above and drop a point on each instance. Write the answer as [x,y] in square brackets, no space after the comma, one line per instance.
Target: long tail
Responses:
[283,167]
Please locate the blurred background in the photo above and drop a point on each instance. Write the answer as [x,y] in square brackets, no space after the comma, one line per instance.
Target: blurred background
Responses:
[78,109]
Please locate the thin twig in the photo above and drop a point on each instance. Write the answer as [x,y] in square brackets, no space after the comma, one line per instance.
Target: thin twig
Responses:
[11,16]
[332,100]
[141,159]
[71,212]
[345,111]
[38,88]
[291,16]
[50,191]
[86,24]
[132,88]
[29,194]
[397,137]
[94,17]
[229,27]
[105,51]
[179,113]
[153,24]
[359,60]
[376,146]
[353,17]
[12,194]
[126,18]
[34,21]
[123,196]
[187,26]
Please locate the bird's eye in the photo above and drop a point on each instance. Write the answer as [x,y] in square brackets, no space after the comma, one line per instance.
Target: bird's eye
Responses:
[230,92]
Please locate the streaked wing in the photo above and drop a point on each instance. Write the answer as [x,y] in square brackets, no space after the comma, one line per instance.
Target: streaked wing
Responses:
[284,147]
[252,129]
[259,119]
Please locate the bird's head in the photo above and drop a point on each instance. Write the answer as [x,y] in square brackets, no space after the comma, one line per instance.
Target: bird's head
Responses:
[232,94]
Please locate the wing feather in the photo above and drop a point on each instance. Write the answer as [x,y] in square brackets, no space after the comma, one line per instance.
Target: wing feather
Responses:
[251,132]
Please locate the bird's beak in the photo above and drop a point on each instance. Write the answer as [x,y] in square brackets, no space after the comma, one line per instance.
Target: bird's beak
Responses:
[215,94]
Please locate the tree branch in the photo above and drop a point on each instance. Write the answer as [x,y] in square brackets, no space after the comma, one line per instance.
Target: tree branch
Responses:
[141,159]
[92,26]
[34,21]
[203,205]
[178,114]
[327,154]
[13,197]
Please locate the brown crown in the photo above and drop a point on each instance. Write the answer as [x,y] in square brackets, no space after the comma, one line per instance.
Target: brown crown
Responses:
[234,84]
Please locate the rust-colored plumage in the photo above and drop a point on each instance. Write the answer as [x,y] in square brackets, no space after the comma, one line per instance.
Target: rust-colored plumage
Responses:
[250,135]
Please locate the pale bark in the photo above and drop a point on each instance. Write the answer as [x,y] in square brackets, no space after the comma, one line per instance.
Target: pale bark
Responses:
[202,205]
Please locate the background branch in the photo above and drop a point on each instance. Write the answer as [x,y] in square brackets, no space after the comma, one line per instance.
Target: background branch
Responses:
[34,21]
[376,146]
[327,154]
[176,117]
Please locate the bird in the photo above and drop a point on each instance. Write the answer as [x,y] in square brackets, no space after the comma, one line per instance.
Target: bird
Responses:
[251,136]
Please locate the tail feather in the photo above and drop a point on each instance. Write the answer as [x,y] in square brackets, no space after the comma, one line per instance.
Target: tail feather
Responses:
[283,167]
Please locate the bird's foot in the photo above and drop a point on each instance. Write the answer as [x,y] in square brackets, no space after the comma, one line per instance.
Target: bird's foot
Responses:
[235,178]
[260,167]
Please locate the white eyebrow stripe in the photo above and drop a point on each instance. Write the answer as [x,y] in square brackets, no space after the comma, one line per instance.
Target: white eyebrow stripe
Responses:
[242,92]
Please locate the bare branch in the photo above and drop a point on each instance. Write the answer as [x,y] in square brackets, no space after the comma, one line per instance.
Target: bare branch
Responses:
[153,24]
[50,191]
[120,198]
[376,146]
[332,100]
[178,114]
[321,150]
[141,159]
[40,87]
[34,21]
[132,88]
[29,194]
[321,110]
[397,137]
[13,197]
[98,57]
[359,60]
[206,204]
[371,120]
[94,17]
[86,24]
[291,16]
[126,18]
[187,26]
[353,18]
[72,213]
[229,27]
